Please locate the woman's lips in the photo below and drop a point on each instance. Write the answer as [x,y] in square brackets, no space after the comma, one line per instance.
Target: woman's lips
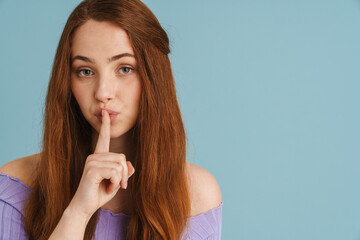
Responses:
[113,114]
[112,117]
[109,110]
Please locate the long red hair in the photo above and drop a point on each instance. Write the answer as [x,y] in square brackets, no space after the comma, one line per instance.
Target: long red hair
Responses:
[159,186]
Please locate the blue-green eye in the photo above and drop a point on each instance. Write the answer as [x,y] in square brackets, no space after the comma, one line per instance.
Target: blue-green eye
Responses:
[84,72]
[125,70]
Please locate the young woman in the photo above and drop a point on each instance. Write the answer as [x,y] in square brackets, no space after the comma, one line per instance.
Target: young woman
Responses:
[113,162]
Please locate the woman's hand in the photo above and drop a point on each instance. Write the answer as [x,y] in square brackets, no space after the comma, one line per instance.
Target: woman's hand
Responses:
[104,173]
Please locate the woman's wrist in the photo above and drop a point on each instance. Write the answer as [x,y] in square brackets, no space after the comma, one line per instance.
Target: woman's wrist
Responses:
[81,218]
[72,225]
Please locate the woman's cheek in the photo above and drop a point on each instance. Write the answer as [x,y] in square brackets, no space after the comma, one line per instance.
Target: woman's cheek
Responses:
[81,97]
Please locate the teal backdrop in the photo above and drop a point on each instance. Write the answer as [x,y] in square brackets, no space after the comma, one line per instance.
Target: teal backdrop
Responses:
[269,92]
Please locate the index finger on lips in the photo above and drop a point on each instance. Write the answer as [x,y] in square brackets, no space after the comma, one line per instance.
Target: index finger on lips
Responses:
[103,143]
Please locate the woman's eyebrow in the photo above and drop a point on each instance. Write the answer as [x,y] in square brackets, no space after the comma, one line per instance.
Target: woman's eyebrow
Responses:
[120,56]
[86,59]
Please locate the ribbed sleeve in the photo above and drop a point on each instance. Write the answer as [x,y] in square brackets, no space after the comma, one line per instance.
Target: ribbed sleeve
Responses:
[11,225]
[12,196]
[205,225]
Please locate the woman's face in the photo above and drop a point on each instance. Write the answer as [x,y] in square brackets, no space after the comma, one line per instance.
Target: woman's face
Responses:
[104,75]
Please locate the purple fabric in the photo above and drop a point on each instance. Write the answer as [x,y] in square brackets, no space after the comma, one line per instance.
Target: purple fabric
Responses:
[111,225]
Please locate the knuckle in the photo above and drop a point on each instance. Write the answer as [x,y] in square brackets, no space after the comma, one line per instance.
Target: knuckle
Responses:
[90,164]
[114,172]
[90,158]
[90,171]
[122,156]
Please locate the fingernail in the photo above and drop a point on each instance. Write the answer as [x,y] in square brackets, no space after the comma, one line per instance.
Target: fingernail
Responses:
[126,185]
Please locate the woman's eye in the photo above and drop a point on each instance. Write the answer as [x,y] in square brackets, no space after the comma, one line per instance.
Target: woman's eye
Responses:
[84,72]
[125,70]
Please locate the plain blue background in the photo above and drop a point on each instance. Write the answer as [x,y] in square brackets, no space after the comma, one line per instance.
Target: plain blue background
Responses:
[269,91]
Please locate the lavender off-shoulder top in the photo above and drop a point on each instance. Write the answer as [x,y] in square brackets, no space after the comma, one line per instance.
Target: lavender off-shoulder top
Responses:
[111,225]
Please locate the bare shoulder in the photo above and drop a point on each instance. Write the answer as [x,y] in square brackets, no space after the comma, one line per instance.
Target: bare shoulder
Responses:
[205,193]
[22,168]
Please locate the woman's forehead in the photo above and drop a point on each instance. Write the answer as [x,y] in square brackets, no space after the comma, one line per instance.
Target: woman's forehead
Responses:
[101,40]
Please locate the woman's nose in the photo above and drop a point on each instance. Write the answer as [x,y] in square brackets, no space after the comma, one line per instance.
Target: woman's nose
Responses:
[105,89]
